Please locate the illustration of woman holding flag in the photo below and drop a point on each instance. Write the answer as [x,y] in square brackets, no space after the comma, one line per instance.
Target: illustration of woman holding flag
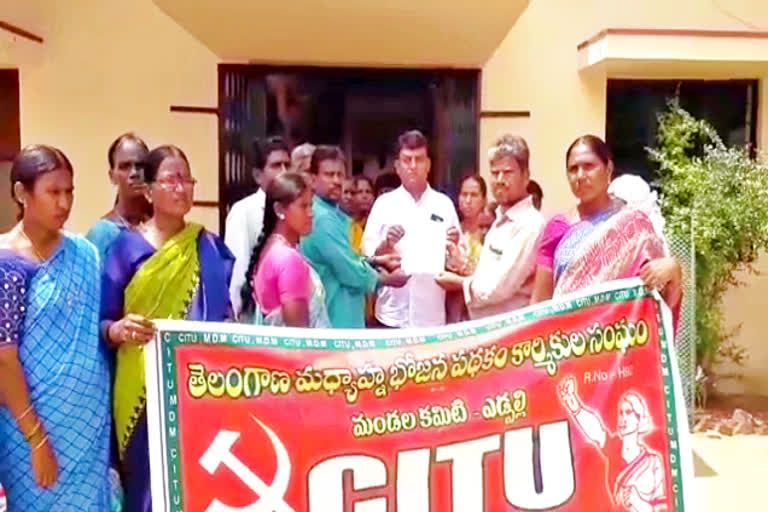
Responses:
[635,474]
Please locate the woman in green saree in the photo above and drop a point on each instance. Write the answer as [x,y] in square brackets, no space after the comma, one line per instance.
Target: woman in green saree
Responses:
[167,268]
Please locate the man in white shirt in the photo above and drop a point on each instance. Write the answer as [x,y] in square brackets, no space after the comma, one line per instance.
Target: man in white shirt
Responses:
[246,217]
[414,221]
[503,279]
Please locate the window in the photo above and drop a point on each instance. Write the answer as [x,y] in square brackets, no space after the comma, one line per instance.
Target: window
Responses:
[633,107]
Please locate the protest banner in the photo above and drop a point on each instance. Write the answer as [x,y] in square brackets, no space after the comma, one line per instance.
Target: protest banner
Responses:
[573,404]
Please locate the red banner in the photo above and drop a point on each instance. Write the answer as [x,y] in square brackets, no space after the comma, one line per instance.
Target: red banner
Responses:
[571,405]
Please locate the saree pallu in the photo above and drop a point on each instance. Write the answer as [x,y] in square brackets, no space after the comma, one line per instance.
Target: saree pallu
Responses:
[67,375]
[187,278]
[614,244]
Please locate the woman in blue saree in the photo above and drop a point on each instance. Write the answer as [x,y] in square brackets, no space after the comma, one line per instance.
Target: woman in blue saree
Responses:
[54,390]
[126,159]
[167,268]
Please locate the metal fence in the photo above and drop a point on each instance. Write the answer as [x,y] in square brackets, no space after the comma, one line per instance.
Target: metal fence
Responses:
[685,336]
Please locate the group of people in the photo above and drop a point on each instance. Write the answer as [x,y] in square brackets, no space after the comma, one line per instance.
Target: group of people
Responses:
[312,247]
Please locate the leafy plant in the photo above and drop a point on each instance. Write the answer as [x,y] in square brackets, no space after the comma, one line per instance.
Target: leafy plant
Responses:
[718,195]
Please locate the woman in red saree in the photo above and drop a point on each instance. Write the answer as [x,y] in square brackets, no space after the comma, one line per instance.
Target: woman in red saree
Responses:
[603,239]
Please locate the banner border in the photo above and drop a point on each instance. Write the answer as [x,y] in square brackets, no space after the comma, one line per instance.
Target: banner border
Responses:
[161,366]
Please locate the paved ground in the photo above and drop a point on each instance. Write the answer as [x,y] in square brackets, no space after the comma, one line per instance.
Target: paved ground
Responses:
[731,473]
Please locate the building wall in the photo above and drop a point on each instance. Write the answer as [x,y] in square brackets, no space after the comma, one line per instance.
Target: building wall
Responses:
[109,67]
[535,69]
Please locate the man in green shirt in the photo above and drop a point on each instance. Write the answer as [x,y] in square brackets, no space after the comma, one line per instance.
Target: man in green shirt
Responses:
[346,276]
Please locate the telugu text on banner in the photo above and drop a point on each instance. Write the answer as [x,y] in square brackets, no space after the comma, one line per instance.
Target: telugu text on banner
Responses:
[573,404]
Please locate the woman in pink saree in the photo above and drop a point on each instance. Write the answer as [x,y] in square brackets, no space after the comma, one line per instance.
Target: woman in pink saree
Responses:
[603,239]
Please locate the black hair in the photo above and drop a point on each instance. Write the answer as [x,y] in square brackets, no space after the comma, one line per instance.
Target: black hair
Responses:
[262,148]
[34,161]
[595,144]
[386,180]
[514,146]
[360,177]
[534,188]
[155,158]
[479,180]
[287,187]
[126,137]
[325,152]
[412,139]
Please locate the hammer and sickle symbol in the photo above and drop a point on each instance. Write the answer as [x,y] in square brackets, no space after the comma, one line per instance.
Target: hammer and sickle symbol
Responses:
[219,453]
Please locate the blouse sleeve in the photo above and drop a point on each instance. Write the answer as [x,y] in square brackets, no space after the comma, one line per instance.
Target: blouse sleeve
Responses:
[553,232]
[14,283]
[123,259]
[293,280]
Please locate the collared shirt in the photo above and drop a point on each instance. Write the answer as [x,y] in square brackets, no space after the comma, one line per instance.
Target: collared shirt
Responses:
[421,302]
[245,222]
[503,279]
[346,276]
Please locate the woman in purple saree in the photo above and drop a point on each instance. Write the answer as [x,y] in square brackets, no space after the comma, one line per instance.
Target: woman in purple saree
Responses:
[167,269]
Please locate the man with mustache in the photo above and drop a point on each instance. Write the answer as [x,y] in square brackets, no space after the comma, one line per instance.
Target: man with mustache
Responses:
[503,279]
[346,276]
[413,221]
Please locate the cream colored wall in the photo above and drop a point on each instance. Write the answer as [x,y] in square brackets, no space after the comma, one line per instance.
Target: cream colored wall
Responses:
[110,67]
[535,69]
[521,75]
[745,306]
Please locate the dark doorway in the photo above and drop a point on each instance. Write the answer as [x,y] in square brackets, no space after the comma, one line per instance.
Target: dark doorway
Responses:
[361,110]
[634,105]
[10,141]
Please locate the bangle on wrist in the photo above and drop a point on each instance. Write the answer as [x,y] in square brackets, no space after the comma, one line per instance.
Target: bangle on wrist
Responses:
[24,414]
[28,437]
[41,443]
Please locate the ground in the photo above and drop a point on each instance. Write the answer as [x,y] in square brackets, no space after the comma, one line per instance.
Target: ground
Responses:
[730,473]
[729,465]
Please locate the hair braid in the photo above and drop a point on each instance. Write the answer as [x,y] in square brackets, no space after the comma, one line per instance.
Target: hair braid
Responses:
[284,189]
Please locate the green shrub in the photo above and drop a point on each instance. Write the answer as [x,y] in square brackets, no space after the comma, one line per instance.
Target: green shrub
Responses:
[720,194]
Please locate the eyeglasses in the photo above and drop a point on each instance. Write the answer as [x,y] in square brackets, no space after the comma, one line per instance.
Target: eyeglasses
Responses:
[185,183]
